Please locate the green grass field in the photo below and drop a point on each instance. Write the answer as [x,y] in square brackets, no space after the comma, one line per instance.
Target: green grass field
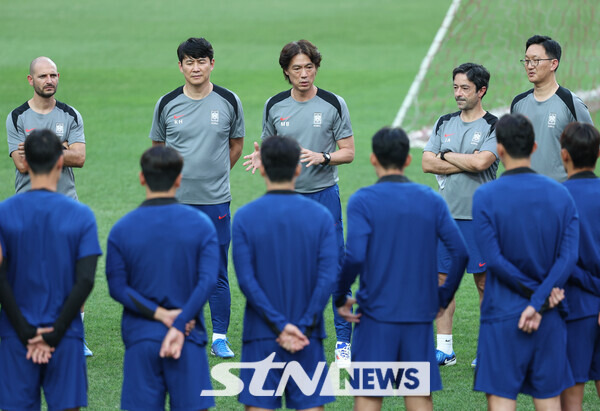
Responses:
[116,58]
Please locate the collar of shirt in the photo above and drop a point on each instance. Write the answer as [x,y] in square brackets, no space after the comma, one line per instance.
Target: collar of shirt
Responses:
[159,201]
[281,192]
[583,174]
[518,170]
[394,178]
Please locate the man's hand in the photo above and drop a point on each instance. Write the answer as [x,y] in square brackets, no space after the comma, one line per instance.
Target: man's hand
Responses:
[189,327]
[292,339]
[172,344]
[311,158]
[345,311]
[167,317]
[253,161]
[530,320]
[556,296]
[38,350]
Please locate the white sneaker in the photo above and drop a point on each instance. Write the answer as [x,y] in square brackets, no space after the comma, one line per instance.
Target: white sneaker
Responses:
[342,354]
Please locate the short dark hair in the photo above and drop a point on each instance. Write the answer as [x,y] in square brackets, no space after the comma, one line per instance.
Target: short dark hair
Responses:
[476,74]
[42,150]
[161,166]
[280,157]
[515,133]
[553,49]
[391,147]
[195,47]
[290,50]
[582,141]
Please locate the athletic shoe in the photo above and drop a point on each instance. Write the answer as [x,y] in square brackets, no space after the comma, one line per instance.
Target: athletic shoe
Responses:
[474,363]
[342,354]
[220,348]
[445,360]
[86,351]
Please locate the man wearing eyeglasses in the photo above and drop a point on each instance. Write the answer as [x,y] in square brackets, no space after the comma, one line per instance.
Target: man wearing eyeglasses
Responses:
[549,106]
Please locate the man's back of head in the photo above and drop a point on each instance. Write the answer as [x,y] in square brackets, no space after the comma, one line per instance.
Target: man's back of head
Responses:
[582,142]
[161,166]
[515,133]
[42,151]
[280,157]
[391,147]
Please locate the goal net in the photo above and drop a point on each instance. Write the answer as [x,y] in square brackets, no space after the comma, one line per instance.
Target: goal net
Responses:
[493,33]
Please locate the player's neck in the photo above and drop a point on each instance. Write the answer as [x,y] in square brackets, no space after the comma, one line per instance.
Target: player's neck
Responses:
[304,95]
[198,92]
[384,172]
[44,181]
[150,195]
[287,186]
[571,171]
[475,113]
[544,90]
[42,105]
[512,163]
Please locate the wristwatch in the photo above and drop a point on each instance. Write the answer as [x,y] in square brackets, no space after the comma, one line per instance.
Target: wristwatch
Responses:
[443,153]
[327,158]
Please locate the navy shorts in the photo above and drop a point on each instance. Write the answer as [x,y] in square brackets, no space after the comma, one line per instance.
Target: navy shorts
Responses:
[379,341]
[583,348]
[147,378]
[309,358]
[510,361]
[64,378]
[476,263]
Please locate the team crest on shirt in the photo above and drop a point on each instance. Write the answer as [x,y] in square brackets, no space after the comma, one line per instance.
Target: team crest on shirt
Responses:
[551,120]
[317,118]
[60,129]
[214,117]
[476,138]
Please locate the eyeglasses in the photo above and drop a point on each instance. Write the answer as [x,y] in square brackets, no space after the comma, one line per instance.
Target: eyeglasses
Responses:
[534,63]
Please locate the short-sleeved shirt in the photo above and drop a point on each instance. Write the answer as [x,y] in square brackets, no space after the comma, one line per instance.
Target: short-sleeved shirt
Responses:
[549,119]
[317,124]
[63,120]
[451,134]
[43,235]
[200,131]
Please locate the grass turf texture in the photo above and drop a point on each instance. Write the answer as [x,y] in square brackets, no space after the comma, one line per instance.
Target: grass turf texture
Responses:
[116,58]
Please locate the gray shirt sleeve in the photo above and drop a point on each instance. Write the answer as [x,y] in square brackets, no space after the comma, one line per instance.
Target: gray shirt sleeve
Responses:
[238,129]
[13,135]
[490,144]
[435,142]
[267,128]
[583,114]
[76,134]
[158,132]
[342,127]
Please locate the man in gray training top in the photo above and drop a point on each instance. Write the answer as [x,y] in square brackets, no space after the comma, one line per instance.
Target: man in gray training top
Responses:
[205,124]
[547,105]
[40,112]
[43,111]
[462,153]
[318,120]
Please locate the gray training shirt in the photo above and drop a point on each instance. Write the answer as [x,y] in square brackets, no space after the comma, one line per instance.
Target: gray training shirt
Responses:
[64,120]
[450,133]
[549,118]
[200,131]
[316,124]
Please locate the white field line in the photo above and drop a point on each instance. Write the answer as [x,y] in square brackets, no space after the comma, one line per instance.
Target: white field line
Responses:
[433,49]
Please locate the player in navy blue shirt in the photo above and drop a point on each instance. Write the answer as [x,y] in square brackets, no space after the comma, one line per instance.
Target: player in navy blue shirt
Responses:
[528,229]
[50,247]
[580,143]
[286,259]
[393,230]
[162,264]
